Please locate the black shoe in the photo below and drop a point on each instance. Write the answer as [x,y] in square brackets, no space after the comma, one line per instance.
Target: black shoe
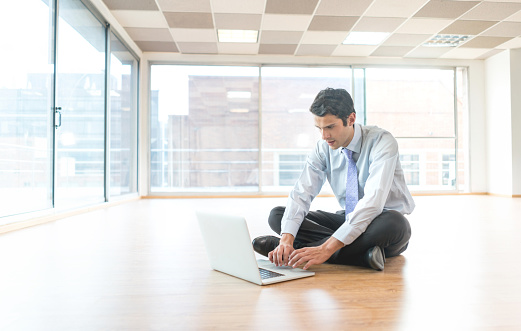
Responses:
[375,258]
[265,244]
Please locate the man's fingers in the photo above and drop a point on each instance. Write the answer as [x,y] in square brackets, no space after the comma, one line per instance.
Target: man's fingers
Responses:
[280,253]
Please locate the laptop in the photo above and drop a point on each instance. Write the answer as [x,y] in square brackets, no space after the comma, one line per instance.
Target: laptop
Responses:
[228,245]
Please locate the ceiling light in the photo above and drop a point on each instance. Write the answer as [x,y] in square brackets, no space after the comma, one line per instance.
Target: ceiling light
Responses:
[446,40]
[239,110]
[297,110]
[238,95]
[365,38]
[237,36]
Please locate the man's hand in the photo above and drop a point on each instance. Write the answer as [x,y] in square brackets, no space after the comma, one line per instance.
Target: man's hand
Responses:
[280,255]
[315,255]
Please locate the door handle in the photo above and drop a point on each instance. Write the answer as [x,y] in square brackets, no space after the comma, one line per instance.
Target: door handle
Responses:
[57,117]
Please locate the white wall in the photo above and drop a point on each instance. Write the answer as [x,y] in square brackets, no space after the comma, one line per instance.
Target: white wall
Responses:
[515,63]
[498,123]
[477,163]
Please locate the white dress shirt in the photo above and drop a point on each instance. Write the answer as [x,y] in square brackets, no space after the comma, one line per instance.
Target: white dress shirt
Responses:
[381,184]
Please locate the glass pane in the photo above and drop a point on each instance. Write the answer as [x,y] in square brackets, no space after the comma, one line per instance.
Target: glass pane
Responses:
[288,128]
[204,128]
[428,164]
[411,102]
[81,95]
[26,73]
[123,119]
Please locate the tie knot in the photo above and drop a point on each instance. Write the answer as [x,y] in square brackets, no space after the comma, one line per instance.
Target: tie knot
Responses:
[347,152]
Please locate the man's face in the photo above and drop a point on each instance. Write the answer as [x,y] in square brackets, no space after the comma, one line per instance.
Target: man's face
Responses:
[333,130]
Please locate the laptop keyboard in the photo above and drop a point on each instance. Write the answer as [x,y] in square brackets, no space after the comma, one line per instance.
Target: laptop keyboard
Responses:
[266,274]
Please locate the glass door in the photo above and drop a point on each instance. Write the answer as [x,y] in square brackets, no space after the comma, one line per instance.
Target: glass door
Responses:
[26,80]
[80,107]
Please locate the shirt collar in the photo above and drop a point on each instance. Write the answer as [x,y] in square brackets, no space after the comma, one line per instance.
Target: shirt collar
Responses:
[356,143]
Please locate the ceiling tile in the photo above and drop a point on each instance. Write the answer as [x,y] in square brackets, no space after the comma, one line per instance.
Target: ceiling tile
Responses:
[514,18]
[318,27]
[492,11]
[504,29]
[393,8]
[157,46]
[291,6]
[354,50]
[192,6]
[280,37]
[427,52]
[511,44]
[140,18]
[378,24]
[238,6]
[131,4]
[467,27]
[197,48]
[343,7]
[391,51]
[237,48]
[286,22]
[399,39]
[332,23]
[189,20]
[315,50]
[489,54]
[277,49]
[485,42]
[323,37]
[423,26]
[445,9]
[238,21]
[150,34]
[194,35]
[465,53]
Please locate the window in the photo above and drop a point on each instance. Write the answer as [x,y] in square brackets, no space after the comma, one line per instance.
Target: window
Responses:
[411,168]
[290,167]
[53,134]
[26,131]
[287,124]
[448,172]
[123,119]
[422,120]
[208,133]
[204,129]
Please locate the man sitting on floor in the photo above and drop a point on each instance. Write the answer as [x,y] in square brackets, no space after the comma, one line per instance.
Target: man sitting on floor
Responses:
[362,166]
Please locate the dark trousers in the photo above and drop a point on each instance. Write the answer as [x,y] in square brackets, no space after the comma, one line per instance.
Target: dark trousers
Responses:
[390,230]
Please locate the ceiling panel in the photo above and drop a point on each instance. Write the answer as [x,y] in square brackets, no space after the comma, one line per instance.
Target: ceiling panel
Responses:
[319,27]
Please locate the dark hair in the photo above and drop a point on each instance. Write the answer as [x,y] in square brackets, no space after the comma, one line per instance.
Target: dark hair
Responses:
[336,102]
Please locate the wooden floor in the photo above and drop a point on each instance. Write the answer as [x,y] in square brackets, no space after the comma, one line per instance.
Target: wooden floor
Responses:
[142,266]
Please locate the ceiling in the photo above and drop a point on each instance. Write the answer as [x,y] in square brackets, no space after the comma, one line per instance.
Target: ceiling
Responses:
[318,27]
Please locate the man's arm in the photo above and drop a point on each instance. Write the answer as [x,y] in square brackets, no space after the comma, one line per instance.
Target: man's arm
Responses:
[307,187]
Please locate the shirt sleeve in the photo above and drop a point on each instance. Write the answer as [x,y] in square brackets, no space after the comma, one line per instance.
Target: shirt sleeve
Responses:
[305,190]
[383,159]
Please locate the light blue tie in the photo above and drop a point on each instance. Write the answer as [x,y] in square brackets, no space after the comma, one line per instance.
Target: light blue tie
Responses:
[351,182]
